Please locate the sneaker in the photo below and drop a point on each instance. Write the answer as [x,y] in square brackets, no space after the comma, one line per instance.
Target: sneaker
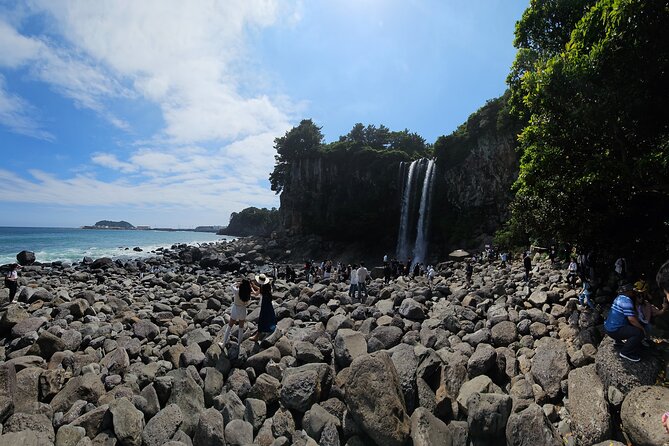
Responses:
[630,357]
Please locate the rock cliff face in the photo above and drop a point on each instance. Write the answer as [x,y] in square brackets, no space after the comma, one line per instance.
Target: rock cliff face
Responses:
[355,195]
[343,196]
[478,163]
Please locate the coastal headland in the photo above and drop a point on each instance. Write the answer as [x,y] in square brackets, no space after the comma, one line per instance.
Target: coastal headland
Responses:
[104,351]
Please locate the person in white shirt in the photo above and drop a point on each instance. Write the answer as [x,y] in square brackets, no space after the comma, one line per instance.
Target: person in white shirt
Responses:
[572,271]
[354,282]
[242,296]
[363,274]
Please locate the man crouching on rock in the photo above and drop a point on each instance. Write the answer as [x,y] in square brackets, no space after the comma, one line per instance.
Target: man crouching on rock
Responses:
[622,324]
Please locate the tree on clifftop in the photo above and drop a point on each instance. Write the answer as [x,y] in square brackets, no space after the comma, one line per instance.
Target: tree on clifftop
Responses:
[296,143]
[595,154]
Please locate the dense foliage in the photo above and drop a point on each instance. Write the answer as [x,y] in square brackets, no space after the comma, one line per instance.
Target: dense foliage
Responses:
[591,78]
[252,221]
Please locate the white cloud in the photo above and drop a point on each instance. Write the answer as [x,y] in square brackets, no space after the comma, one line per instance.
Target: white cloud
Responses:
[186,57]
[18,115]
[191,60]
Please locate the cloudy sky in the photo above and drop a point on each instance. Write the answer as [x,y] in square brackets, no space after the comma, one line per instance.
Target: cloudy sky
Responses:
[164,113]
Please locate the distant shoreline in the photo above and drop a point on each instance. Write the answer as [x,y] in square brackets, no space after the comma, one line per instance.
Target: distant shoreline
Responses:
[213,231]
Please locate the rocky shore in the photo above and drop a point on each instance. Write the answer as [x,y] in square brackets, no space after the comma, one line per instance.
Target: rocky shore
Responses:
[107,352]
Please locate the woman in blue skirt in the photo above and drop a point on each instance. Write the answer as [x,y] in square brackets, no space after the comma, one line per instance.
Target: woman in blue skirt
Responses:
[267,318]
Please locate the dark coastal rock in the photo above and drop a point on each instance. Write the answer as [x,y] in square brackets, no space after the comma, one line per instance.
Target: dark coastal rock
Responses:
[374,397]
[163,426]
[622,374]
[25,258]
[487,414]
[210,429]
[640,414]
[550,365]
[349,345]
[128,422]
[303,386]
[86,387]
[530,427]
[589,411]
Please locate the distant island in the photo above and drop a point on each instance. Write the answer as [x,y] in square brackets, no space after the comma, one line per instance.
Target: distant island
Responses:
[124,225]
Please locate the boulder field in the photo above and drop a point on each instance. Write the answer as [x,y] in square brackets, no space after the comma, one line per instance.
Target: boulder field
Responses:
[126,352]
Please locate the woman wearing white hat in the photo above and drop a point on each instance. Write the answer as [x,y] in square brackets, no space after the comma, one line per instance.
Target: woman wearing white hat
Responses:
[267,318]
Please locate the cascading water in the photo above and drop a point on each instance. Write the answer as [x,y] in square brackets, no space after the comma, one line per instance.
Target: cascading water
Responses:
[420,249]
[403,236]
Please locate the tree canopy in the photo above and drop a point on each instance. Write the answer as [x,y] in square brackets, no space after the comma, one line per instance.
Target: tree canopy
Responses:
[591,78]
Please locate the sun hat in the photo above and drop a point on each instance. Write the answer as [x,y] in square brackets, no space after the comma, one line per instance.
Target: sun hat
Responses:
[262,279]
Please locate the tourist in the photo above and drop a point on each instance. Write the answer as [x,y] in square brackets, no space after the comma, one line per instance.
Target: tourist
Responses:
[620,269]
[527,263]
[430,275]
[469,270]
[363,275]
[12,280]
[267,317]
[622,324]
[241,296]
[552,254]
[584,297]
[572,273]
[505,257]
[353,274]
[387,272]
[290,274]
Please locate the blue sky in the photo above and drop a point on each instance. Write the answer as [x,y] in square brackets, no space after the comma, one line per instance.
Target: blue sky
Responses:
[163,113]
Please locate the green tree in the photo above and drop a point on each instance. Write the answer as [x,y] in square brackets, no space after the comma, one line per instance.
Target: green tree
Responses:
[596,148]
[298,142]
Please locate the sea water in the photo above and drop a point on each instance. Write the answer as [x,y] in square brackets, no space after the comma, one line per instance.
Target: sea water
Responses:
[73,244]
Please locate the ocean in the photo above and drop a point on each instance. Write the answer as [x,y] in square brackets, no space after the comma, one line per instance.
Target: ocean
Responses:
[72,244]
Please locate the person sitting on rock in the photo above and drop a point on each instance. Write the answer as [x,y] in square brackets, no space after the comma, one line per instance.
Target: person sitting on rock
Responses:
[585,296]
[623,324]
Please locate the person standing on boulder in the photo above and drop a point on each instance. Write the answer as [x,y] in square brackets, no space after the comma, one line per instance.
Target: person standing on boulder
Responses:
[527,263]
[353,274]
[12,280]
[242,295]
[363,274]
[622,324]
[267,318]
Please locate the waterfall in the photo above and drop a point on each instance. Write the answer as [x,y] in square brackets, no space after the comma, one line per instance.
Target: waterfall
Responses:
[403,236]
[420,249]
